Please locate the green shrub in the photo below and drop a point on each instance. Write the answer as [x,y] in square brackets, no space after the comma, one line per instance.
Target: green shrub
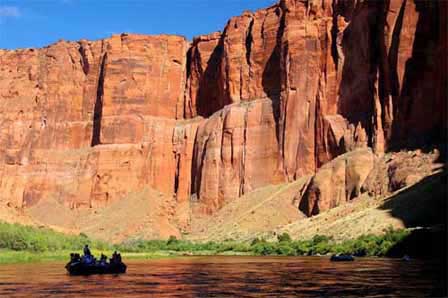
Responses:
[82,235]
[171,240]
[301,247]
[285,249]
[256,241]
[264,248]
[19,237]
[23,238]
[284,237]
[320,238]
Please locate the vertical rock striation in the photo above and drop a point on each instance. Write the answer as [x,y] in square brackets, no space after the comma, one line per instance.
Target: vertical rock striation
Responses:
[235,152]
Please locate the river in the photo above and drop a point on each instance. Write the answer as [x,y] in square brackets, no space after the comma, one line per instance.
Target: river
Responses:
[230,277]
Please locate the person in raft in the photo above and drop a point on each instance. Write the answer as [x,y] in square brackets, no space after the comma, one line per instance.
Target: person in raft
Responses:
[87,258]
[87,250]
[116,258]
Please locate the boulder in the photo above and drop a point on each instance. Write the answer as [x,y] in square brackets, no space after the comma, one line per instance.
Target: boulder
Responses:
[337,182]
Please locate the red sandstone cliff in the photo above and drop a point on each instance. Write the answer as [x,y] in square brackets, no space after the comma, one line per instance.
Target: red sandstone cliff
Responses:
[277,94]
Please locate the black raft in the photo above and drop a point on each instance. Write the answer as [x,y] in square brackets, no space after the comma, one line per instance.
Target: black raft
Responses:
[342,258]
[87,264]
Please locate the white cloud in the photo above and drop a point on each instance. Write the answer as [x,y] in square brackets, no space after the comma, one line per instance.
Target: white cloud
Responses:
[9,11]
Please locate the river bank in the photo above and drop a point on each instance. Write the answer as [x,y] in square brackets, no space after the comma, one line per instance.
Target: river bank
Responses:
[14,257]
[28,244]
[18,257]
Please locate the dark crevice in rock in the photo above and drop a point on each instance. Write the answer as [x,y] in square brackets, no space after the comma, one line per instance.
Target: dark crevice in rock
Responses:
[379,74]
[243,158]
[393,52]
[262,30]
[188,110]
[283,103]
[249,41]
[188,63]
[334,36]
[98,109]
[317,130]
[387,69]
[176,174]
[84,60]
[304,204]
[193,169]
[196,170]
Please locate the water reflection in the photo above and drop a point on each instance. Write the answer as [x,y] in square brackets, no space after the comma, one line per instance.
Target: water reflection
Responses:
[230,277]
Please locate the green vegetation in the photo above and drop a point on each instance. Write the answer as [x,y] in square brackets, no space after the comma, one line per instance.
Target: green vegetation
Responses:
[24,238]
[12,256]
[367,245]
[22,243]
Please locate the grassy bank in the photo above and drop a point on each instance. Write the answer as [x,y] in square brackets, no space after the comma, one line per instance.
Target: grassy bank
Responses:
[26,244]
[8,256]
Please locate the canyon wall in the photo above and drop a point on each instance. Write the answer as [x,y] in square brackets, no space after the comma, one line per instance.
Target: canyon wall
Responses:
[273,97]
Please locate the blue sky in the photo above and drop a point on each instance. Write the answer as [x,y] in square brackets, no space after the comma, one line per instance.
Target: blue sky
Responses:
[36,23]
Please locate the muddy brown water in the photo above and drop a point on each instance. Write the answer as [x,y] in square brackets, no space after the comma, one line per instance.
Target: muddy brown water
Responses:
[231,277]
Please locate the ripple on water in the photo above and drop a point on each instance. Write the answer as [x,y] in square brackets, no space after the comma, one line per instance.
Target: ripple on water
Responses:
[230,277]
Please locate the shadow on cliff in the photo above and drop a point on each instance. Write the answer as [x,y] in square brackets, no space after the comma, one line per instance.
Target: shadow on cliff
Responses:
[422,207]
[209,97]
[272,76]
[360,61]
[420,100]
[272,84]
[420,106]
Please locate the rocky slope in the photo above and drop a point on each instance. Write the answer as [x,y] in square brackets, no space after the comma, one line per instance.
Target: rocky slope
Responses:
[402,190]
[272,98]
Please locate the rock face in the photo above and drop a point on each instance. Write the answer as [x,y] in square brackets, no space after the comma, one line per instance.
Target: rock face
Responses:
[276,95]
[400,169]
[235,152]
[361,171]
[337,182]
[140,77]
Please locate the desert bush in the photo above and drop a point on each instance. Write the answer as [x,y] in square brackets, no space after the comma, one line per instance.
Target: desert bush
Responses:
[284,237]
